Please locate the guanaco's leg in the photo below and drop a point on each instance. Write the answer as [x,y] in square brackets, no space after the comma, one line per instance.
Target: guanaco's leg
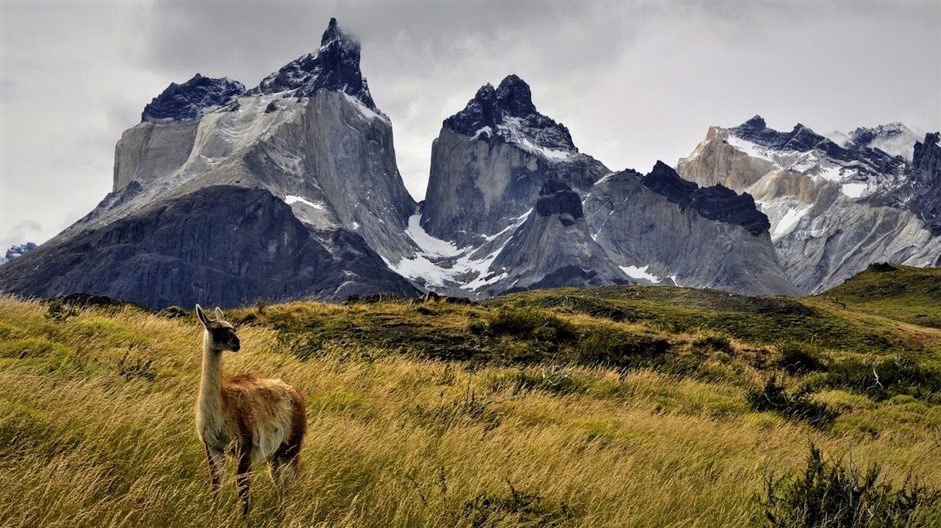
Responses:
[243,477]
[216,460]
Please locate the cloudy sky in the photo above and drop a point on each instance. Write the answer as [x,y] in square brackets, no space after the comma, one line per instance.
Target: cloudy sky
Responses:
[635,81]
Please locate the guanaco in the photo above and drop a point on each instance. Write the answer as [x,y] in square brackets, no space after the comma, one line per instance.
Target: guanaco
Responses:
[261,420]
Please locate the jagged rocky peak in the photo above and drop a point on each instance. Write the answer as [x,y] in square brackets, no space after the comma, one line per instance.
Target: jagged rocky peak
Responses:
[855,158]
[334,66]
[800,138]
[665,181]
[715,203]
[895,139]
[190,99]
[557,198]
[507,113]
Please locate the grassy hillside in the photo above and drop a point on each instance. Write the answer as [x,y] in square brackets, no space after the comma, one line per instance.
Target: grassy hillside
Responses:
[629,406]
[899,292]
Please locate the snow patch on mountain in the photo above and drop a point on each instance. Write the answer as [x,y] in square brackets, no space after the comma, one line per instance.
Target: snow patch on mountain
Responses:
[291,200]
[641,273]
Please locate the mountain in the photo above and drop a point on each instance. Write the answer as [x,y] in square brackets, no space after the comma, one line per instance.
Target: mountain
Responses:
[834,209]
[669,230]
[895,139]
[490,161]
[309,138]
[226,243]
[512,204]
[17,250]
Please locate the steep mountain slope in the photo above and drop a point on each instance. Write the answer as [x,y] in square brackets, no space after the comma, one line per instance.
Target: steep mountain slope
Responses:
[512,204]
[225,243]
[833,210]
[309,134]
[553,247]
[490,161]
[671,230]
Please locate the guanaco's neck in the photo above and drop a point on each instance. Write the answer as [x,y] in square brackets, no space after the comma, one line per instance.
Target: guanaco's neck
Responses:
[210,381]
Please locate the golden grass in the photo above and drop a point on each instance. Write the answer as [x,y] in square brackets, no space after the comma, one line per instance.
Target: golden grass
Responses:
[399,441]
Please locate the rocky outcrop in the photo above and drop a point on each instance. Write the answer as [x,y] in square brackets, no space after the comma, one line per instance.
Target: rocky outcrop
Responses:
[223,245]
[667,230]
[490,161]
[310,136]
[333,67]
[192,98]
[833,209]
[553,247]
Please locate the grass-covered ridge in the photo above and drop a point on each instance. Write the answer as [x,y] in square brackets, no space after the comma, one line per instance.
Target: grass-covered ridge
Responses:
[629,406]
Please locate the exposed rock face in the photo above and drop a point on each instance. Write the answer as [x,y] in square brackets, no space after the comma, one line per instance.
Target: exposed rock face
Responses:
[926,182]
[512,204]
[833,209]
[334,67]
[309,135]
[329,153]
[895,139]
[492,158]
[225,245]
[190,99]
[716,202]
[664,229]
[553,248]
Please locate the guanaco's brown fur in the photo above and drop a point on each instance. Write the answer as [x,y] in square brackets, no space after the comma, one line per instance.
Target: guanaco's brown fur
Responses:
[261,420]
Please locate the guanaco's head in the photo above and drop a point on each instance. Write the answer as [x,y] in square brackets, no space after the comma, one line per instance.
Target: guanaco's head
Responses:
[220,334]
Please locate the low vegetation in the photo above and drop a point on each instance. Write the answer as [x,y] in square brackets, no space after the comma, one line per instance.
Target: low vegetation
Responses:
[628,406]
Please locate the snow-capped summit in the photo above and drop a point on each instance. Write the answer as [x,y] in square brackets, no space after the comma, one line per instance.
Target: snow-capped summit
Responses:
[507,113]
[334,66]
[835,205]
[192,98]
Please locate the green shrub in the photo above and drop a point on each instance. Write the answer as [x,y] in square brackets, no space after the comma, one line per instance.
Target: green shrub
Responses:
[885,377]
[519,508]
[713,342]
[620,348]
[834,494]
[173,312]
[795,405]
[799,358]
[530,323]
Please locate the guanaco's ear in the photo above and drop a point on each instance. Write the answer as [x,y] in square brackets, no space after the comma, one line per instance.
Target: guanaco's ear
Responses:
[202,316]
[219,315]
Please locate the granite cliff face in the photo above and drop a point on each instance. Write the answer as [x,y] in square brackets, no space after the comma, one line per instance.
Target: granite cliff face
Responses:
[670,231]
[833,209]
[290,189]
[230,244]
[513,204]
[490,161]
[309,135]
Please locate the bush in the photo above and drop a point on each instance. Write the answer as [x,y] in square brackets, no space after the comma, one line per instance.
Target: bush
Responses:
[831,494]
[619,348]
[530,323]
[519,508]
[713,342]
[798,358]
[885,377]
[60,312]
[173,312]
[794,405]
